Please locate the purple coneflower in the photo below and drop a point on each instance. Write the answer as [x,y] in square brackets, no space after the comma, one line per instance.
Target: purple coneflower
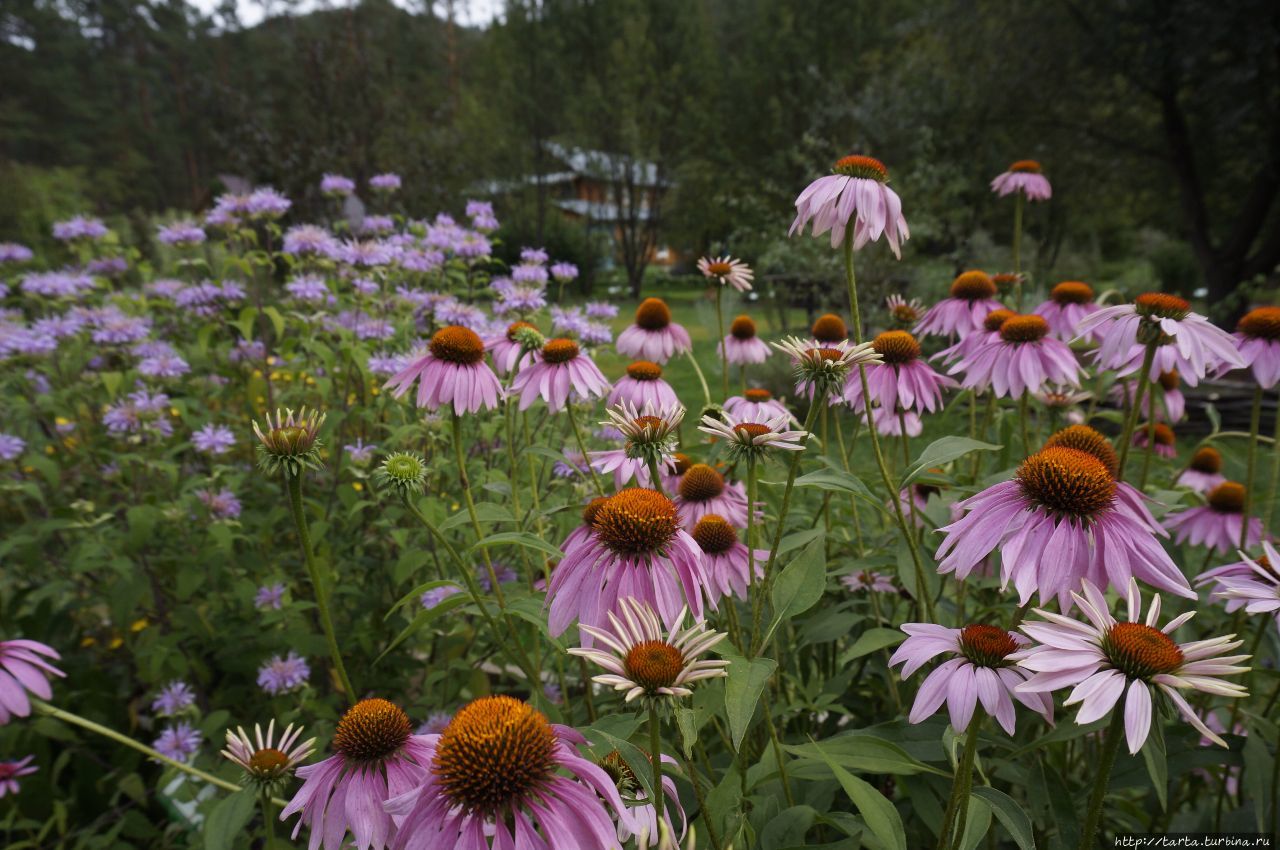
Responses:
[725,558]
[634,546]
[24,669]
[1251,583]
[741,345]
[855,193]
[1204,471]
[641,386]
[1185,341]
[751,440]
[1216,525]
[1023,176]
[642,661]
[650,436]
[654,336]
[901,381]
[870,581]
[561,373]
[981,671]
[11,772]
[972,298]
[265,760]
[703,490]
[1165,441]
[501,775]
[178,742]
[1069,302]
[1058,522]
[1258,336]
[727,272]
[451,371]
[376,758]
[174,698]
[825,366]
[1103,657]
[755,405]
[903,313]
[1019,359]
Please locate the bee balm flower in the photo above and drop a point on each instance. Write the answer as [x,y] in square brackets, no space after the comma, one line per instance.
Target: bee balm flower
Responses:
[855,192]
[501,775]
[1103,657]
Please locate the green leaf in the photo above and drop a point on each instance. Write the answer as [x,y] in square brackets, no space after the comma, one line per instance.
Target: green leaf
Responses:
[742,689]
[1257,773]
[865,753]
[244,323]
[799,586]
[413,595]
[277,321]
[227,819]
[882,816]
[943,451]
[142,521]
[111,382]
[635,758]
[870,641]
[1010,814]
[838,481]
[1153,754]
[424,617]
[485,512]
[520,538]
[976,824]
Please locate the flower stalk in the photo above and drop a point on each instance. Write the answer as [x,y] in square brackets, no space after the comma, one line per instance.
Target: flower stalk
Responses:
[961,784]
[1106,759]
[1131,421]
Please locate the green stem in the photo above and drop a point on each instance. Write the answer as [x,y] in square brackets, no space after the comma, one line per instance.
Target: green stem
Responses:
[856,320]
[294,484]
[268,821]
[461,461]
[1017,250]
[582,448]
[1102,778]
[724,354]
[1131,421]
[696,782]
[1023,416]
[961,782]
[1270,509]
[1151,441]
[98,729]
[1255,422]
[655,479]
[757,605]
[655,756]
[702,379]
[777,750]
